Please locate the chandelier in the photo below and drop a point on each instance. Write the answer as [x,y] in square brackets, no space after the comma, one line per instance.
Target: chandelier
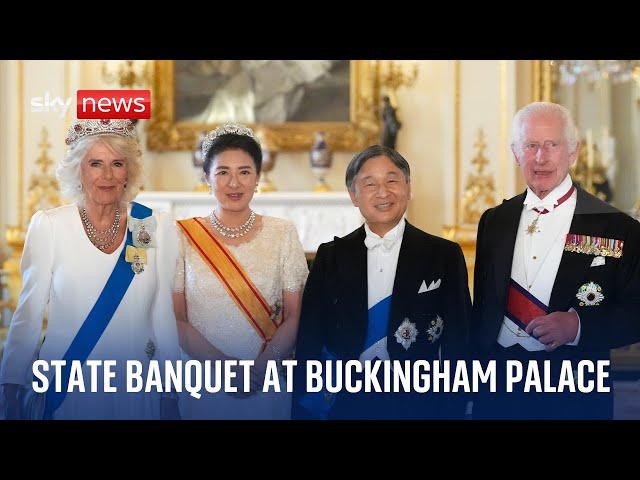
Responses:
[618,71]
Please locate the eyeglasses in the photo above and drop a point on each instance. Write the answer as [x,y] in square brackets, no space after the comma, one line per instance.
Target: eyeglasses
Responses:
[532,148]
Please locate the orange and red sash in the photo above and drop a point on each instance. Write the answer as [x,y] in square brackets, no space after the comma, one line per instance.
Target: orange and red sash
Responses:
[522,306]
[232,276]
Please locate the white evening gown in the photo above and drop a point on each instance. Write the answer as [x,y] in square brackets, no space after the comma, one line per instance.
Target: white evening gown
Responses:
[274,260]
[63,270]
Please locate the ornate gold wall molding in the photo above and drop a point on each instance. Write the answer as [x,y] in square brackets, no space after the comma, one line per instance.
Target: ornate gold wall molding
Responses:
[20,143]
[15,234]
[479,191]
[43,187]
[542,80]
[456,138]
[464,235]
[504,129]
[67,93]
[11,267]
[43,193]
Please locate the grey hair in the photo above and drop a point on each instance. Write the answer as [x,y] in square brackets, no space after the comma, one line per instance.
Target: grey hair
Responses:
[544,108]
[375,151]
[68,170]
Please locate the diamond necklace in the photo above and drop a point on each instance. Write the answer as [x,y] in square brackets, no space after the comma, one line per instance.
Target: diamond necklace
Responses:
[232,232]
[101,239]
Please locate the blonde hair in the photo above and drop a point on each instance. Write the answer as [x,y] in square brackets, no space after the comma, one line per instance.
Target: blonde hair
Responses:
[68,170]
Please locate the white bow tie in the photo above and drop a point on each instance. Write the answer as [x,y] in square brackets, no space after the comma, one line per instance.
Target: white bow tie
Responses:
[372,242]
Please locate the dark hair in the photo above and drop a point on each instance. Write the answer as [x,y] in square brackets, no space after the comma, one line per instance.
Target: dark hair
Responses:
[233,141]
[375,151]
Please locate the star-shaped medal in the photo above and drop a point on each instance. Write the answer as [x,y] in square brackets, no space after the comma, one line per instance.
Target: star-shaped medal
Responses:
[533,226]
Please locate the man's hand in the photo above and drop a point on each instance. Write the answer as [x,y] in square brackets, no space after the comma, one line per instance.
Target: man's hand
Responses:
[555,329]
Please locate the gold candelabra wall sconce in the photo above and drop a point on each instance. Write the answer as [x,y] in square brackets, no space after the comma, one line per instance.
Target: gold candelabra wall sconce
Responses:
[127,73]
[387,77]
[394,75]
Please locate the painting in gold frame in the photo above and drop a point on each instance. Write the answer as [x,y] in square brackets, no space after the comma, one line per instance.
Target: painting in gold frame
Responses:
[165,133]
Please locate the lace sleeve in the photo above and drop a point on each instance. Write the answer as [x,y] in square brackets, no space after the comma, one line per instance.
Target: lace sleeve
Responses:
[178,279]
[294,267]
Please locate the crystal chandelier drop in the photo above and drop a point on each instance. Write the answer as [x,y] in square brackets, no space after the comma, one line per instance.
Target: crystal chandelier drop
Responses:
[618,71]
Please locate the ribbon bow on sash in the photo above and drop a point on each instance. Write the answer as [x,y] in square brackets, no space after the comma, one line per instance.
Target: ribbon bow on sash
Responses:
[143,230]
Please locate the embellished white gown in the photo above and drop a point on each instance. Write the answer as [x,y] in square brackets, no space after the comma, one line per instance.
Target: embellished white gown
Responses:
[274,260]
[61,268]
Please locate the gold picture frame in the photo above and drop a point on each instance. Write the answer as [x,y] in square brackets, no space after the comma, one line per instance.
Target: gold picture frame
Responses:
[164,133]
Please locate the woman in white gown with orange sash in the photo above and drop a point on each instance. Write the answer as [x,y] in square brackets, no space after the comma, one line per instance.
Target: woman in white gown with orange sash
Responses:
[239,282]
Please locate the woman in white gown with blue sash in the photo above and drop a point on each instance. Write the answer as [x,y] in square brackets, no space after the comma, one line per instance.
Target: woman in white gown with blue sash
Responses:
[100,269]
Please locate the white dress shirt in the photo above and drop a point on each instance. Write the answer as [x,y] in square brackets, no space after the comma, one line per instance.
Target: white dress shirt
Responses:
[536,256]
[382,261]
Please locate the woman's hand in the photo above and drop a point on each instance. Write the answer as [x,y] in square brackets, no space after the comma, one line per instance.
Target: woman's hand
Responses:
[10,403]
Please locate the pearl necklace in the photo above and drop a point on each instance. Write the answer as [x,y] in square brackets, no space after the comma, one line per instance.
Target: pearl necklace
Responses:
[101,239]
[232,232]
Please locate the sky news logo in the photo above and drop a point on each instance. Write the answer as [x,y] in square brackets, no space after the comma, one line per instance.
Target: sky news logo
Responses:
[48,103]
[112,104]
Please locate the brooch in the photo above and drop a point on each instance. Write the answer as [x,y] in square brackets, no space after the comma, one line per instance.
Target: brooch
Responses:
[276,313]
[142,231]
[137,257]
[406,333]
[434,332]
[590,294]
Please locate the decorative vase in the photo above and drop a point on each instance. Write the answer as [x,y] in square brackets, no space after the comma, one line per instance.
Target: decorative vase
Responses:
[321,158]
[268,162]
[269,154]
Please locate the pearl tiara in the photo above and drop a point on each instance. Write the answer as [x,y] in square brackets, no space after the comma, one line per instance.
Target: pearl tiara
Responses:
[226,129]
